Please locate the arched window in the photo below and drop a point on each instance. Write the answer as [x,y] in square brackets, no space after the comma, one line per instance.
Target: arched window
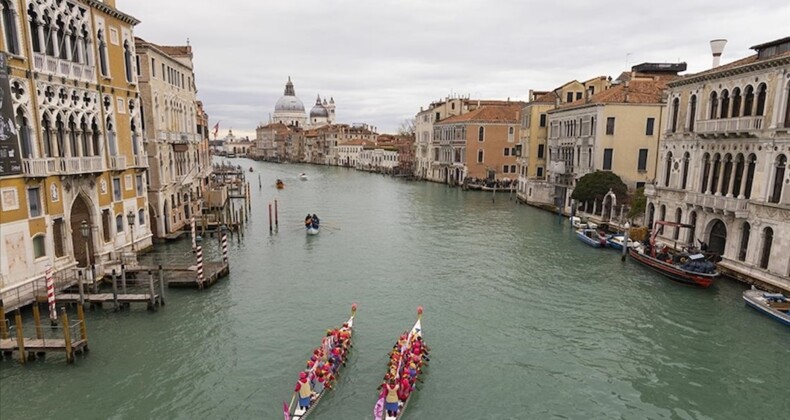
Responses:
[481,133]
[95,137]
[760,110]
[675,110]
[748,101]
[86,149]
[736,184]
[60,38]
[725,182]
[25,143]
[725,103]
[692,112]
[736,102]
[662,213]
[141,217]
[74,41]
[768,239]
[667,169]
[787,105]
[714,179]
[127,61]
[102,53]
[119,223]
[9,24]
[745,231]
[60,136]
[84,42]
[714,105]
[751,166]
[35,26]
[779,176]
[686,158]
[49,48]
[705,173]
[678,216]
[46,129]
[73,139]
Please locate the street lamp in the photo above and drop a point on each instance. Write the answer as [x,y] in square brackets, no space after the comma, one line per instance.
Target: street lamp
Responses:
[85,231]
[130,219]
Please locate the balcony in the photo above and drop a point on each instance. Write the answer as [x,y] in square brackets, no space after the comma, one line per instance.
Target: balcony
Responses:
[80,165]
[719,203]
[141,161]
[38,167]
[117,163]
[729,126]
[62,68]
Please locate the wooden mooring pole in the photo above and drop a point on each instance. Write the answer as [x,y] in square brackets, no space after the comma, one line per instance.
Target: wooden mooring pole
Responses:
[20,336]
[115,290]
[161,285]
[37,321]
[80,287]
[3,328]
[152,301]
[67,335]
[83,327]
[276,215]
[270,217]
[123,278]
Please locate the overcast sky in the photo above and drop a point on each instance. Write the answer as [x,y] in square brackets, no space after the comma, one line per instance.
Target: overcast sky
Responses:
[383,59]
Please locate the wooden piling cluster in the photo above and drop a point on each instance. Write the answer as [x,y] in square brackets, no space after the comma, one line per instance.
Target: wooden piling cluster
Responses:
[29,348]
[122,299]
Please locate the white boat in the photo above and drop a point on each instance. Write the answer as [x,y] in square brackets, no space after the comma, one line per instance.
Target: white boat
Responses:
[293,411]
[303,176]
[775,305]
[617,241]
[312,230]
[577,223]
[378,411]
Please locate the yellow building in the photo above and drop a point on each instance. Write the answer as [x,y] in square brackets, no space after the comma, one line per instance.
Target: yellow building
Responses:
[75,106]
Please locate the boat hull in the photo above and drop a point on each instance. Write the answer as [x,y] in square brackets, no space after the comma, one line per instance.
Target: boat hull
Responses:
[595,243]
[312,231]
[754,299]
[672,272]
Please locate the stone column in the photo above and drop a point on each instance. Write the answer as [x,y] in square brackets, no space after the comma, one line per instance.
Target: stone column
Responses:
[720,181]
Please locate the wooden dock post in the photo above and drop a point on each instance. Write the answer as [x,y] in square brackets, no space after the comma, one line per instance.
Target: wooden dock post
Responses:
[115,290]
[259,182]
[123,278]
[20,336]
[37,321]
[161,285]
[93,279]
[152,302]
[80,287]
[276,215]
[83,327]
[270,217]
[3,329]
[67,335]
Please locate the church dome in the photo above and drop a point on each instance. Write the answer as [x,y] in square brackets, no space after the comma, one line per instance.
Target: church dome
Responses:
[318,110]
[289,102]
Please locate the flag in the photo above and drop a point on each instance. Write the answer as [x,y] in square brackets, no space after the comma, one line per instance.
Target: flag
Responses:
[216,129]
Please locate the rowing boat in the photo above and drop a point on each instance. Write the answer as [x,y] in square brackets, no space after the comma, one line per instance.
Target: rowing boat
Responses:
[378,411]
[293,411]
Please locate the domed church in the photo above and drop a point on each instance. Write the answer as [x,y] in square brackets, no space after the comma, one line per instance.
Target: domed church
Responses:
[289,110]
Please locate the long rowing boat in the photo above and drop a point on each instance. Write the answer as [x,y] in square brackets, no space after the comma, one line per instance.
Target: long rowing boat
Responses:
[294,411]
[378,411]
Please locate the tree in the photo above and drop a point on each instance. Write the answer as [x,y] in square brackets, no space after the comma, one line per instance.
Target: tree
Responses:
[638,204]
[407,127]
[594,186]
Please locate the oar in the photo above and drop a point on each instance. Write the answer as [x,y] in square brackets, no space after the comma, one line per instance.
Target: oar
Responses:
[291,404]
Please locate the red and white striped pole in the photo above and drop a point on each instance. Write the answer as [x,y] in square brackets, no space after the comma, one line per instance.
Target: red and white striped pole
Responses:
[194,236]
[200,266]
[53,312]
[224,247]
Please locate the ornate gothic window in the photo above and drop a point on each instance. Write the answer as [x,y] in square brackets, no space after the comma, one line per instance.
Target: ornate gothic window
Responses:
[752,165]
[768,239]
[102,53]
[9,24]
[748,101]
[714,105]
[760,110]
[725,103]
[686,158]
[35,27]
[692,112]
[736,103]
[745,232]
[779,175]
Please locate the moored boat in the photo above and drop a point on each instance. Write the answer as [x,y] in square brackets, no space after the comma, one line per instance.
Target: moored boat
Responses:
[591,237]
[328,344]
[775,305]
[577,223]
[691,268]
[414,347]
[616,241]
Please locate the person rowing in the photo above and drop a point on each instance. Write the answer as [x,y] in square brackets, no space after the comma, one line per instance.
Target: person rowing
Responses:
[304,390]
[308,221]
[391,399]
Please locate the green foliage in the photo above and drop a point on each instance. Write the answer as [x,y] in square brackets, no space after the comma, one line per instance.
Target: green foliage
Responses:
[638,203]
[594,186]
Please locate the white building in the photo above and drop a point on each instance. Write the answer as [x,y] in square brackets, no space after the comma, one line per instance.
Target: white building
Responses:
[723,161]
[373,158]
[289,110]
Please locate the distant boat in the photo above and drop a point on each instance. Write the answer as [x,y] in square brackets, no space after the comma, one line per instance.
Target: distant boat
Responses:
[303,176]
[280,184]
[250,168]
[591,237]
[775,305]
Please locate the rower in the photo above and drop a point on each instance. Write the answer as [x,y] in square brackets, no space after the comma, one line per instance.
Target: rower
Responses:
[391,399]
[304,390]
[308,220]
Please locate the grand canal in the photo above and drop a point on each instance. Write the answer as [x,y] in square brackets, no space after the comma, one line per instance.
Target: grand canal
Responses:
[525,322]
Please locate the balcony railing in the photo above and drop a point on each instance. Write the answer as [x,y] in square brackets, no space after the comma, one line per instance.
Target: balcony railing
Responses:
[738,206]
[63,68]
[730,125]
[141,160]
[80,165]
[117,163]
[38,167]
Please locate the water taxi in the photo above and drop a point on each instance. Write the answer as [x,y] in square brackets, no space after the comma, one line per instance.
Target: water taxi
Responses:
[775,305]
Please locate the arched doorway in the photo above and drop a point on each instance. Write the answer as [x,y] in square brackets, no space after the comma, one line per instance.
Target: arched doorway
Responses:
[80,212]
[717,240]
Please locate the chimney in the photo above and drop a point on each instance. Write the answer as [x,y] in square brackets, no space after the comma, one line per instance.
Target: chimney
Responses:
[716,47]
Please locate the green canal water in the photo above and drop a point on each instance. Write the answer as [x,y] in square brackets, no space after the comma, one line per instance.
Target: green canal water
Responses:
[525,322]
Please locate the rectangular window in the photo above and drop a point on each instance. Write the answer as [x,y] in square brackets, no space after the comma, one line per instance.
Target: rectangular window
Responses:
[610,126]
[512,169]
[506,169]
[569,97]
[649,128]
[607,159]
[116,189]
[479,156]
[57,234]
[642,165]
[153,67]
[39,246]
[139,185]
[437,117]
[541,151]
[34,202]
[540,172]
[542,120]
[114,36]
[118,223]
[578,95]
[507,151]
[640,185]
[121,108]
[138,66]
[106,221]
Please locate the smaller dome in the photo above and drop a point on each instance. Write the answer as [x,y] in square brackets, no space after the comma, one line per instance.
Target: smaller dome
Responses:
[318,110]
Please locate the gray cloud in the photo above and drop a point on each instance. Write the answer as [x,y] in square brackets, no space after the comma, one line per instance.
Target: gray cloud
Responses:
[382,60]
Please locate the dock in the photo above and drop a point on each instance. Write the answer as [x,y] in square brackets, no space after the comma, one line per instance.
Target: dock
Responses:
[68,338]
[186,278]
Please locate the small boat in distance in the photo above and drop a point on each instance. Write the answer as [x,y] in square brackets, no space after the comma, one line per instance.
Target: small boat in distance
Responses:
[775,305]
[328,344]
[280,184]
[303,176]
[312,224]
[250,168]
[688,267]
[591,237]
